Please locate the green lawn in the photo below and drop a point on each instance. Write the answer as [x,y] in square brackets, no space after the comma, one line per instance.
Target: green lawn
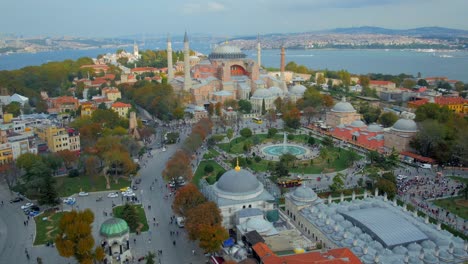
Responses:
[460,179]
[141,216]
[200,173]
[46,230]
[456,205]
[211,154]
[67,186]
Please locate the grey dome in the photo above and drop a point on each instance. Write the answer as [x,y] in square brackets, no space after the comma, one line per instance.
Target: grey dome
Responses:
[374,128]
[260,225]
[226,52]
[304,194]
[275,91]
[298,89]
[237,182]
[262,93]
[405,125]
[358,123]
[343,107]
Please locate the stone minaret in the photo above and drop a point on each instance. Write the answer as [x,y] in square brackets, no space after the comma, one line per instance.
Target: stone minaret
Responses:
[136,53]
[284,87]
[170,68]
[187,77]
[259,52]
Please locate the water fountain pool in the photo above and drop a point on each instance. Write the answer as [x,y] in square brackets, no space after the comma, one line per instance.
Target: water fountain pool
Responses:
[279,149]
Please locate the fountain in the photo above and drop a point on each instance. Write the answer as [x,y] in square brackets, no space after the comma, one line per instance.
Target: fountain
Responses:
[275,151]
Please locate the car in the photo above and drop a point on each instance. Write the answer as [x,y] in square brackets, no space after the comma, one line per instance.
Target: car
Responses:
[401,177]
[69,200]
[16,200]
[135,187]
[138,181]
[128,193]
[83,194]
[34,208]
[113,195]
[33,213]
[163,149]
[425,166]
[125,189]
[26,206]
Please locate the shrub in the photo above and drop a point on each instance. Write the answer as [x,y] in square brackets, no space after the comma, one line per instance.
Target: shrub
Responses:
[73,173]
[258,159]
[290,136]
[209,168]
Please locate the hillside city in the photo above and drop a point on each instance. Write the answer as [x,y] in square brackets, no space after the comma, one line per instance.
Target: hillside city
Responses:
[172,156]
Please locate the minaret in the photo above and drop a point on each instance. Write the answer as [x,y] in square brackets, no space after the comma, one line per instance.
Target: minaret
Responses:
[135,49]
[259,52]
[170,68]
[282,66]
[187,77]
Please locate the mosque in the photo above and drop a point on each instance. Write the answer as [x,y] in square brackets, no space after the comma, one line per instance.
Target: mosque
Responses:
[227,73]
[237,193]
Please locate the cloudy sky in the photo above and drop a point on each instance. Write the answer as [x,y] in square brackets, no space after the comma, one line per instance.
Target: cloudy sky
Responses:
[110,18]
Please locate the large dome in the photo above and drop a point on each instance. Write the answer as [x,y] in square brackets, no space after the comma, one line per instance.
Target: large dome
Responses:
[262,93]
[298,89]
[343,107]
[405,125]
[226,52]
[259,225]
[114,227]
[237,182]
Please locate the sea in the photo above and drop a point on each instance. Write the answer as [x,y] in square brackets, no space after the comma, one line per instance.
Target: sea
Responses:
[453,64]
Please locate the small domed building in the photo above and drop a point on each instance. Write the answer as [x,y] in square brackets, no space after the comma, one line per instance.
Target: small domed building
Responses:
[343,113]
[400,134]
[297,92]
[238,189]
[262,95]
[115,234]
[301,197]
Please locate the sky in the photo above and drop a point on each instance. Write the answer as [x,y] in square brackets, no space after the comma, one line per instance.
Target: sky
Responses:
[114,18]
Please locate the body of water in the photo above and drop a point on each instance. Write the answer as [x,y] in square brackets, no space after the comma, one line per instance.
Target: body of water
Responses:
[454,64]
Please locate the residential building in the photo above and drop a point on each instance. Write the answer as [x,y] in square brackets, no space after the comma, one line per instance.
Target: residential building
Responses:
[87,108]
[111,93]
[62,104]
[58,139]
[121,108]
[456,104]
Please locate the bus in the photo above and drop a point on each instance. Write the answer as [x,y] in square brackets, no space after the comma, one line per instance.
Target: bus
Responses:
[287,182]
[257,120]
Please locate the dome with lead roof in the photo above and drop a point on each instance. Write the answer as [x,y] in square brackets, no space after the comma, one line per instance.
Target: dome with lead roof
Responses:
[276,91]
[238,183]
[358,123]
[405,125]
[343,107]
[226,52]
[262,93]
[374,128]
[114,227]
[304,194]
[298,90]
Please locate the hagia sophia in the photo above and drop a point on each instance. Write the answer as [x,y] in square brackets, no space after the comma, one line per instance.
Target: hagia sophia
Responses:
[227,73]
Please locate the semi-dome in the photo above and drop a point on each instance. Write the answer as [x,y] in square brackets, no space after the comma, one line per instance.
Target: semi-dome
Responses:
[304,194]
[260,225]
[114,227]
[276,91]
[262,93]
[357,123]
[405,125]
[298,89]
[343,107]
[226,52]
[237,182]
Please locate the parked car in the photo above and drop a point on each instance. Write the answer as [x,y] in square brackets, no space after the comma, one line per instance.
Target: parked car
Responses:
[83,194]
[125,189]
[26,206]
[128,193]
[138,180]
[33,213]
[69,200]
[113,195]
[135,187]
[16,200]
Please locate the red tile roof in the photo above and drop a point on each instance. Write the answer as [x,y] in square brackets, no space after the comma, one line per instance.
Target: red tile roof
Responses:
[120,105]
[450,100]
[376,82]
[333,256]
[143,69]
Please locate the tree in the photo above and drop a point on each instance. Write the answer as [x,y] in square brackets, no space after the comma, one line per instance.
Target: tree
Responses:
[292,118]
[459,86]
[364,81]
[387,119]
[245,106]
[48,193]
[186,198]
[246,132]
[309,112]
[75,239]
[13,108]
[209,168]
[150,258]
[321,79]
[369,113]
[386,186]
[26,161]
[311,141]
[422,82]
[218,108]
[130,215]
[408,83]
[272,132]
[68,157]
[338,183]
[278,104]
[178,165]
[212,237]
[263,107]
[205,214]
[210,109]
[327,141]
